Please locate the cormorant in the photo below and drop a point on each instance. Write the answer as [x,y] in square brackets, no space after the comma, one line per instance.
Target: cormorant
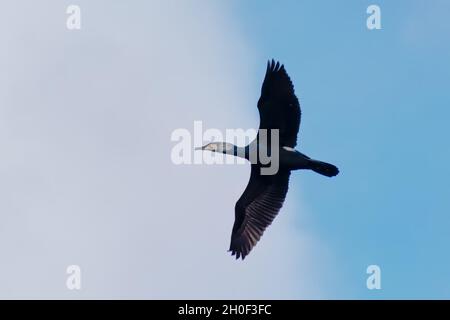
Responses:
[264,195]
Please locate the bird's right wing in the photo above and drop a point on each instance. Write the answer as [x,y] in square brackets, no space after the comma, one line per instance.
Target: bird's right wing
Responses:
[256,209]
[278,105]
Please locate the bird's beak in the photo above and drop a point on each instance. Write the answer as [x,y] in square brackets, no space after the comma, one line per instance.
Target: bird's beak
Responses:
[199,148]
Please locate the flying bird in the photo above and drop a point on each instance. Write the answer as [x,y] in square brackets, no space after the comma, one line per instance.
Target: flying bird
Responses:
[264,195]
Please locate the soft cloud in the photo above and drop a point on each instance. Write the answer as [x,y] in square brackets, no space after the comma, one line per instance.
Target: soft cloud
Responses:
[85,167]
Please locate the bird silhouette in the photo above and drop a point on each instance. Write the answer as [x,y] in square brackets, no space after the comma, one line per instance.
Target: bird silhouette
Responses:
[264,195]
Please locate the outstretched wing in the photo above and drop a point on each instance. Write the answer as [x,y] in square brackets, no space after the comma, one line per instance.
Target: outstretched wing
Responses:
[278,106]
[256,209]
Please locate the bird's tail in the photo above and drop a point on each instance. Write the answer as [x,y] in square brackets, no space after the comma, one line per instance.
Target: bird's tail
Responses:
[323,168]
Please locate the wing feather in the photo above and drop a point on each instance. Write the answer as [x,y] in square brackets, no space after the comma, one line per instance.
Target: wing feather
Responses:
[278,105]
[256,209]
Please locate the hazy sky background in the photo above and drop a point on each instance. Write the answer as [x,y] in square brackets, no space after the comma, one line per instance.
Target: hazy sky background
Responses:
[85,170]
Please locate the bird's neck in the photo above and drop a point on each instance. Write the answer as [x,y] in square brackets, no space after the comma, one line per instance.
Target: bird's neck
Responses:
[241,152]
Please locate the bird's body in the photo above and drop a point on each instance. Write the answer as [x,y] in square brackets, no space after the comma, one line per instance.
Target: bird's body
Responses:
[292,159]
[264,195]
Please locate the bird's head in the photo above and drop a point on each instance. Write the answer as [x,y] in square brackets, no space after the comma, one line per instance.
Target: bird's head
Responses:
[222,147]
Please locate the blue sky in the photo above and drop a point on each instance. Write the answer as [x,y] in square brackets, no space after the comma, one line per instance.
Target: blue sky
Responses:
[376,103]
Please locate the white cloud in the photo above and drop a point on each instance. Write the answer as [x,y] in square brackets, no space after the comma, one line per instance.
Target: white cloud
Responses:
[86,177]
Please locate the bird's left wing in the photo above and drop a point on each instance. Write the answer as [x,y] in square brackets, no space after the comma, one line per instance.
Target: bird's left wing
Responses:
[256,209]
